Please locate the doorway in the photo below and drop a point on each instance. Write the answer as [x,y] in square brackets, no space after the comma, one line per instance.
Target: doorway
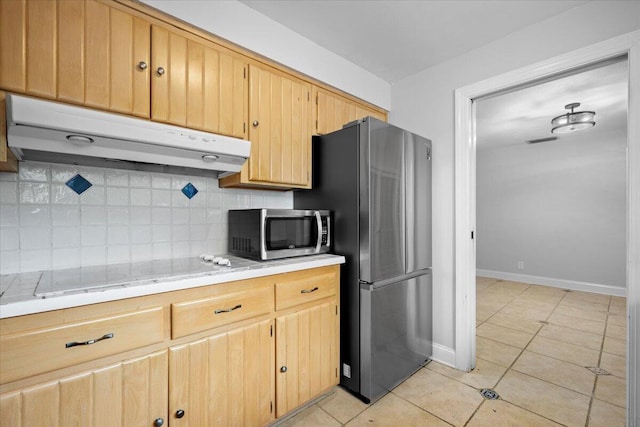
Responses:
[465,194]
[551,207]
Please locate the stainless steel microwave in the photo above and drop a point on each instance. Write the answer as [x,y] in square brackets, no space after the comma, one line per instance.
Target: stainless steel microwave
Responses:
[265,234]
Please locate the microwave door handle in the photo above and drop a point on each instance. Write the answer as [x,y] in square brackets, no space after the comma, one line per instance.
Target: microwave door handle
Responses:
[319,221]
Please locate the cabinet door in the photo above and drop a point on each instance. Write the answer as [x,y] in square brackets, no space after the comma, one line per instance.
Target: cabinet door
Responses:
[279,113]
[197,84]
[306,355]
[8,162]
[224,380]
[131,393]
[82,52]
[334,111]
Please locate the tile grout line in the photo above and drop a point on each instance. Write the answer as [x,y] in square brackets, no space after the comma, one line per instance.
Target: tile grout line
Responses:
[595,382]
[419,407]
[518,357]
[424,366]
[505,304]
[506,370]
[334,418]
[526,347]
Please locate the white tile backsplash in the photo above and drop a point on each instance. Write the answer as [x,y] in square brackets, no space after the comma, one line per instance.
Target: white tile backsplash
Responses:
[180,216]
[66,237]
[117,178]
[34,215]
[8,215]
[160,215]
[161,233]
[32,260]
[35,238]
[39,172]
[8,192]
[140,215]
[140,196]
[141,234]
[93,215]
[63,173]
[161,197]
[117,254]
[139,180]
[9,239]
[118,235]
[117,196]
[33,192]
[117,215]
[93,235]
[63,195]
[95,195]
[68,216]
[65,258]
[124,216]
[94,175]
[141,252]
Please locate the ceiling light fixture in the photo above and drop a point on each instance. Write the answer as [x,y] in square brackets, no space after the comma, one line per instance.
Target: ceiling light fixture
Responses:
[573,121]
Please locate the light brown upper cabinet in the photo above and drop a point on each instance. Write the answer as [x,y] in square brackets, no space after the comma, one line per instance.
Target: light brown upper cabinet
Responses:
[8,162]
[279,131]
[333,111]
[197,84]
[81,52]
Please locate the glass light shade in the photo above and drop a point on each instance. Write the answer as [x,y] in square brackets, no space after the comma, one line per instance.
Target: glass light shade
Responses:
[573,121]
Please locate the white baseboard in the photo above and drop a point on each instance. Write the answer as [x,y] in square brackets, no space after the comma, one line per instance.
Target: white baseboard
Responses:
[444,355]
[556,283]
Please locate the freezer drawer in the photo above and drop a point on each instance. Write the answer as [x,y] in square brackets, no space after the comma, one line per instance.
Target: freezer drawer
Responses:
[395,327]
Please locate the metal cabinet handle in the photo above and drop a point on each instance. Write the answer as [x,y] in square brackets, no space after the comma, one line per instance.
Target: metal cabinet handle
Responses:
[308,291]
[283,369]
[255,123]
[143,66]
[160,71]
[76,343]
[179,413]
[228,310]
[158,422]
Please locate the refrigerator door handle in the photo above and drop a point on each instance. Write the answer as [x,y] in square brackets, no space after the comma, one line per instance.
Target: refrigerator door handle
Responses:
[319,222]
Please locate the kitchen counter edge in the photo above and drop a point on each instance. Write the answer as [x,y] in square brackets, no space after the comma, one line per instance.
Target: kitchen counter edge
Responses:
[39,305]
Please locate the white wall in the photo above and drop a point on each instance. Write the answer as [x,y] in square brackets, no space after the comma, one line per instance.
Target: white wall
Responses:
[559,207]
[238,23]
[424,103]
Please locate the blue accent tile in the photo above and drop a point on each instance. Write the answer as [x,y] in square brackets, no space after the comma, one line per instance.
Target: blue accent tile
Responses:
[189,190]
[78,184]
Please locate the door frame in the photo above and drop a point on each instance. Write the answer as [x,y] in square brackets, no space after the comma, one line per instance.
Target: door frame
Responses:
[465,196]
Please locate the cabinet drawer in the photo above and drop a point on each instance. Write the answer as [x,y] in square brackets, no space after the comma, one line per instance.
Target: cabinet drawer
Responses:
[194,316]
[303,288]
[42,350]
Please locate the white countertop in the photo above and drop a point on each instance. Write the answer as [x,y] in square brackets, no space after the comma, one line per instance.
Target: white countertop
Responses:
[35,292]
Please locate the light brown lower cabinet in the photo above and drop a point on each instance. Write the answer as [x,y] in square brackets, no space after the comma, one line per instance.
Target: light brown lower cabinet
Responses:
[260,348]
[223,380]
[127,394]
[306,355]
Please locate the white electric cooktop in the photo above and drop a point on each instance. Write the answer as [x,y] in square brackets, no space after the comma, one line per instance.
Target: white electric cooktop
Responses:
[93,278]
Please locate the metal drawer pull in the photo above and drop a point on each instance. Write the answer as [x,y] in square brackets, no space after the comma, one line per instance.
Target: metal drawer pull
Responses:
[75,343]
[228,310]
[308,291]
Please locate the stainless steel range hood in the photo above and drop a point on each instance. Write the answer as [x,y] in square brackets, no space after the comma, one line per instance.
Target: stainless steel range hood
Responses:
[53,132]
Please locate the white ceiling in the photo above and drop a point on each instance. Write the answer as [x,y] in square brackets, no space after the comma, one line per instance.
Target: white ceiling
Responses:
[513,118]
[396,39]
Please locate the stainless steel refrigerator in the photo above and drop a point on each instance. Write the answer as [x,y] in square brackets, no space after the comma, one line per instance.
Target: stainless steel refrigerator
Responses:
[376,178]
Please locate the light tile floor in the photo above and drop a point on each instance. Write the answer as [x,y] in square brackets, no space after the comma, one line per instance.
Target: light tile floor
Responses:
[535,345]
